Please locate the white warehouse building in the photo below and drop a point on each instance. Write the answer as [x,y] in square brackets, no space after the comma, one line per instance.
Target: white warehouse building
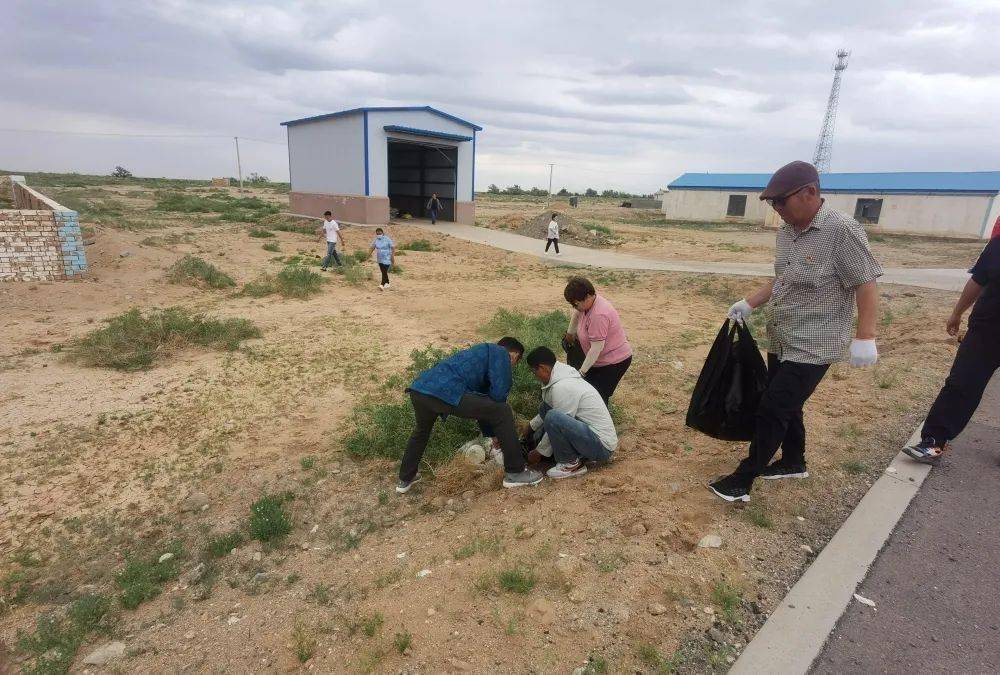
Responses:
[944,204]
[359,163]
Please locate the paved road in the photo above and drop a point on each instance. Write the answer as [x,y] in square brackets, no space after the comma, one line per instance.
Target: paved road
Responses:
[941,279]
[935,585]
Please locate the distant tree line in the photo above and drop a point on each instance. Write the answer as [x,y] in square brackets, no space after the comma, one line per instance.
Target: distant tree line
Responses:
[495,189]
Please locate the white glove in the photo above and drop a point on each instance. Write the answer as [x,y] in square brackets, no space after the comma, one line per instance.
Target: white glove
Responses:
[863,353]
[741,311]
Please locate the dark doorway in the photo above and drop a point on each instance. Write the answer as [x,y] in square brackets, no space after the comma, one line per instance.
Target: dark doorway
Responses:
[737,206]
[416,171]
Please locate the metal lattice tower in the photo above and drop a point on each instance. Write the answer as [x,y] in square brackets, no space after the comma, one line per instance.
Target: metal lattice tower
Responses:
[821,159]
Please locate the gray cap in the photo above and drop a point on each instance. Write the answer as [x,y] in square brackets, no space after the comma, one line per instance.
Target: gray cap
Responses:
[790,178]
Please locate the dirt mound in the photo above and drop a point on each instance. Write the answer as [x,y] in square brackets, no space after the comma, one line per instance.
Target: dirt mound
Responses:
[571,231]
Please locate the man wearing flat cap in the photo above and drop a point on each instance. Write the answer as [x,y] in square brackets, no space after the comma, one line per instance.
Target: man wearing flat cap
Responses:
[822,268]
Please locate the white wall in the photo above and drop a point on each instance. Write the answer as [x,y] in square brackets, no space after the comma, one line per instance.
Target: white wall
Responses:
[417,119]
[711,205]
[938,215]
[328,156]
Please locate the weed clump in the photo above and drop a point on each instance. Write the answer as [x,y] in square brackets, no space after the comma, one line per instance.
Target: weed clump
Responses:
[260,233]
[55,640]
[196,271]
[134,340]
[294,281]
[222,545]
[142,577]
[269,519]
[418,245]
[517,580]
[272,246]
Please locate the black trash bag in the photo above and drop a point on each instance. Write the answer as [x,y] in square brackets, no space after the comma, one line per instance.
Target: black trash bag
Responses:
[734,377]
[574,352]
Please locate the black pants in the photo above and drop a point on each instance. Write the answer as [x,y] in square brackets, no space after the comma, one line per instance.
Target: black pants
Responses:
[496,419]
[977,359]
[551,242]
[779,416]
[605,379]
[385,273]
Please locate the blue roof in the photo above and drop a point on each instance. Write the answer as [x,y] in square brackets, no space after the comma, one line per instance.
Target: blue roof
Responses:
[354,111]
[900,182]
[425,132]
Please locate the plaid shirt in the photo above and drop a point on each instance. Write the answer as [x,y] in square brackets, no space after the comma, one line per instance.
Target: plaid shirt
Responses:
[811,311]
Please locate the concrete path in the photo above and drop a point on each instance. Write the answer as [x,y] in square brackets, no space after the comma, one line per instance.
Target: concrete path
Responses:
[935,584]
[941,279]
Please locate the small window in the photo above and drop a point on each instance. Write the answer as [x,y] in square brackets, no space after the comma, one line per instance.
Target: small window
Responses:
[737,205]
[867,211]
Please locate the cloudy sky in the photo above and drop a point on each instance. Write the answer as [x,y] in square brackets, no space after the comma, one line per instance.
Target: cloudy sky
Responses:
[626,95]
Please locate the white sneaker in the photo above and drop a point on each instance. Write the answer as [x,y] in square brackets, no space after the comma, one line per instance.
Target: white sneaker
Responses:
[558,253]
[546,253]
[388,285]
[381,287]
[564,470]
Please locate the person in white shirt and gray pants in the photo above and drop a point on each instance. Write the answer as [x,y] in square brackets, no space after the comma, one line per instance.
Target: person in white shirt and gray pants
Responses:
[553,236]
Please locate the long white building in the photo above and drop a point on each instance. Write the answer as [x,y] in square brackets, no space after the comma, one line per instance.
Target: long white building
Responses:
[947,204]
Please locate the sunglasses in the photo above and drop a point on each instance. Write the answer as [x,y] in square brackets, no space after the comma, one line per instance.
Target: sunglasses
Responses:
[778,202]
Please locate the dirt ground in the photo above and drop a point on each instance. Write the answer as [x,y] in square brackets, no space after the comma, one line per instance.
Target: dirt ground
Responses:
[96,463]
[647,233]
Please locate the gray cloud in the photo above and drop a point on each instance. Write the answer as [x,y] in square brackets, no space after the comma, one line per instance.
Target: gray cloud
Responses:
[640,95]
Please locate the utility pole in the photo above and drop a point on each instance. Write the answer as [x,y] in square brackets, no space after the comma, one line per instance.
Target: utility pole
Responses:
[239,167]
[549,199]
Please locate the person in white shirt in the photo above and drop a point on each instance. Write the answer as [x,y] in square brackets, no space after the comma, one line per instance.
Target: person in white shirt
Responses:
[575,421]
[553,236]
[332,231]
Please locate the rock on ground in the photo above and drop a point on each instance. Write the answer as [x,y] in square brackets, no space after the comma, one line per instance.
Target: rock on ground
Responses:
[710,541]
[102,655]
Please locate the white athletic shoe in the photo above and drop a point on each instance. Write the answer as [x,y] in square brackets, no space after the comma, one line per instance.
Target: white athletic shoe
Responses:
[558,253]
[546,253]
[567,470]
[381,287]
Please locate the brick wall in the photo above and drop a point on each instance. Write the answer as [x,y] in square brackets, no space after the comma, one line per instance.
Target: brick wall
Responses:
[40,240]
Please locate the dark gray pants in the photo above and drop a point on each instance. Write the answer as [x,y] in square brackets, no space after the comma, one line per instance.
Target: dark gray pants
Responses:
[495,419]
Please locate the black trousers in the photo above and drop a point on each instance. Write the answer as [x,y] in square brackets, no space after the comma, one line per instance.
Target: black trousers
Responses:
[385,272]
[975,363]
[605,379]
[779,416]
[494,418]
[550,242]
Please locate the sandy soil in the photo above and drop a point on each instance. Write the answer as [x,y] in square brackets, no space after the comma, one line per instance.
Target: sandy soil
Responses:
[97,463]
[647,233]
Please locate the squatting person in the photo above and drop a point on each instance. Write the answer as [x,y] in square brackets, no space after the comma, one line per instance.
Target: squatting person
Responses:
[575,421]
[822,267]
[975,363]
[385,255]
[473,384]
[596,326]
[331,228]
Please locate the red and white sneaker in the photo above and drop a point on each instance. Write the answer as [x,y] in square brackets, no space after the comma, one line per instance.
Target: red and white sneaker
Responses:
[927,450]
[567,470]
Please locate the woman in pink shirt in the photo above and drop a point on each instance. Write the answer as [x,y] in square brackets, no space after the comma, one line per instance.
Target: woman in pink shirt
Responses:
[598,328]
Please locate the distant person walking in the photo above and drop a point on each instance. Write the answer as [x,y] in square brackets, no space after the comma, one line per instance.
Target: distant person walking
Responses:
[553,235]
[598,328]
[332,231]
[385,255]
[975,363]
[823,266]
[434,206]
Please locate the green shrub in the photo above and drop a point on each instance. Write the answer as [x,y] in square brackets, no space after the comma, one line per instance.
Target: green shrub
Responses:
[142,577]
[260,233]
[222,545]
[229,208]
[517,580]
[52,647]
[134,341]
[296,281]
[402,641]
[271,246]
[727,599]
[269,520]
[418,245]
[195,271]
[381,429]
